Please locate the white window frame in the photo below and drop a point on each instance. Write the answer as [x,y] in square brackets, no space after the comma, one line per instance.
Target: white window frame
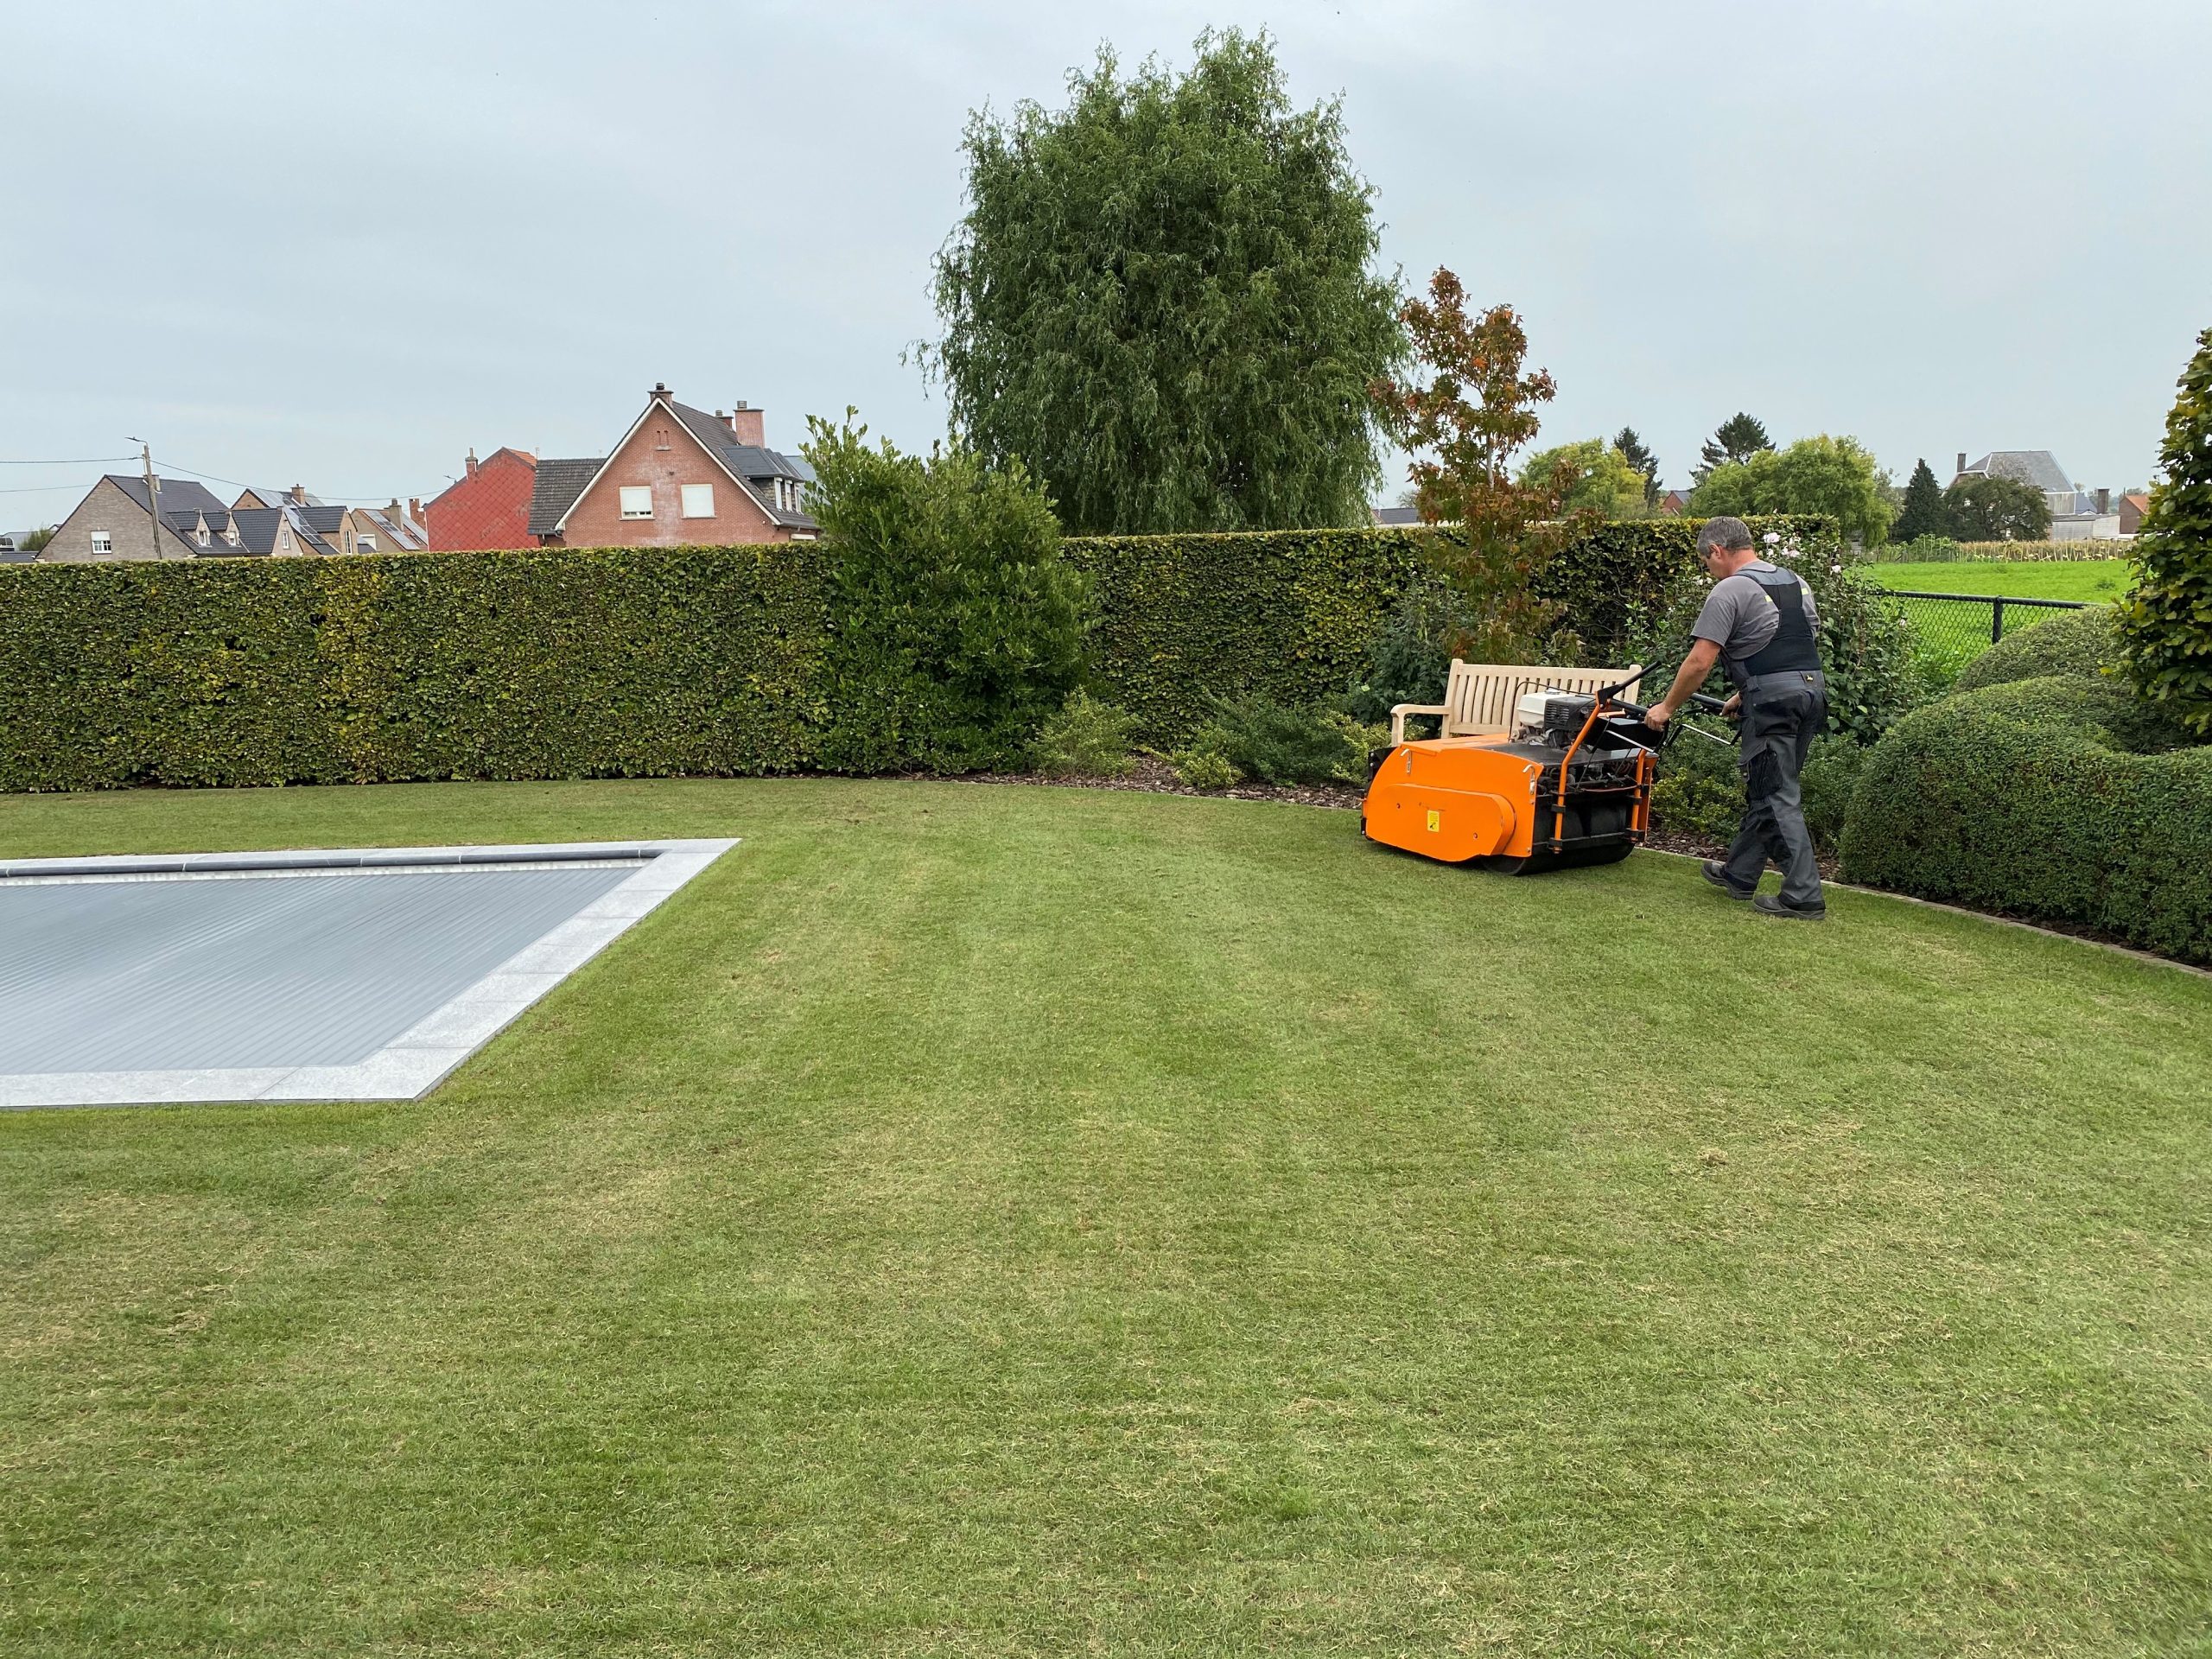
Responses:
[103,542]
[636,501]
[365,544]
[698,500]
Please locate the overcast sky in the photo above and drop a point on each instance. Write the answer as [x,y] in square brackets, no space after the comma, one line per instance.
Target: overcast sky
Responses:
[339,244]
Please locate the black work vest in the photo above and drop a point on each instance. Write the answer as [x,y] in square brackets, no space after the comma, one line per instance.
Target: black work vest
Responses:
[1792,650]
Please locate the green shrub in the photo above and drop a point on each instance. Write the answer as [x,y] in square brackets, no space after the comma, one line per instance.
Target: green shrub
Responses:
[2024,798]
[1085,738]
[1203,768]
[2072,642]
[957,627]
[2167,620]
[1276,744]
[1699,790]
[1410,662]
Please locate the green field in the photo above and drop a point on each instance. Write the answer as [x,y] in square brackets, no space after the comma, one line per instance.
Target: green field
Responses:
[2098,582]
[979,1220]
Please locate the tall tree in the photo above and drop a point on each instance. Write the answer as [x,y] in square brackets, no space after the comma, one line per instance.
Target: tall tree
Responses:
[1737,440]
[1835,476]
[1995,509]
[1923,513]
[1639,457]
[2167,620]
[1604,480]
[1503,532]
[1163,299]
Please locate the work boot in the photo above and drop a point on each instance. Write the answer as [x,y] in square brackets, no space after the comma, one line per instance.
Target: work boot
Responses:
[1717,873]
[1772,905]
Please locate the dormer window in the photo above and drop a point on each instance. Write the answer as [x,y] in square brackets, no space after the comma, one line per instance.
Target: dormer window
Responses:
[201,537]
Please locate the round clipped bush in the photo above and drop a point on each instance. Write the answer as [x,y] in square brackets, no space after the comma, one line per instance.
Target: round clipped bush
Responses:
[2027,798]
[2083,643]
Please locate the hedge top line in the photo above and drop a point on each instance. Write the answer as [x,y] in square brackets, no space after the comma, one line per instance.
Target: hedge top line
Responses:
[1667,529]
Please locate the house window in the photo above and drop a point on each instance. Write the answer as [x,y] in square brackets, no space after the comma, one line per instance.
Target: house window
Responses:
[364,545]
[102,542]
[698,500]
[637,500]
[200,536]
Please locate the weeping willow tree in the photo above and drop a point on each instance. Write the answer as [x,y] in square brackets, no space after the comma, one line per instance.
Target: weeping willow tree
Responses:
[1161,299]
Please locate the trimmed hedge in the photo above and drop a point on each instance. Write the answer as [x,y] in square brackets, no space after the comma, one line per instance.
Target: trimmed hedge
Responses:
[2084,642]
[1288,615]
[556,663]
[2024,799]
[1291,615]
[647,662]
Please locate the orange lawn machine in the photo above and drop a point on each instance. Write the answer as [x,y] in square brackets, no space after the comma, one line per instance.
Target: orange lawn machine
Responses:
[1569,785]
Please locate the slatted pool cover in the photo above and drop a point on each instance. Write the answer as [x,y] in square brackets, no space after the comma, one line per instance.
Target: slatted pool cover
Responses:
[258,970]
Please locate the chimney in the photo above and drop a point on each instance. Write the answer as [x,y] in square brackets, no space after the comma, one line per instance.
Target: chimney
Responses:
[1962,462]
[472,461]
[414,508]
[748,425]
[660,393]
[2104,502]
[299,495]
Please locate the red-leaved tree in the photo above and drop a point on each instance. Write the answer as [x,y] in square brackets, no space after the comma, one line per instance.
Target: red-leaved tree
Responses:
[1463,426]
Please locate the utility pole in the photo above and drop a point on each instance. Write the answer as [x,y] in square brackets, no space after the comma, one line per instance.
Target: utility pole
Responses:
[153,490]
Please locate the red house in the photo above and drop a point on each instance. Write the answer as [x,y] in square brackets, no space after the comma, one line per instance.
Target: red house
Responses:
[489,507]
[678,476]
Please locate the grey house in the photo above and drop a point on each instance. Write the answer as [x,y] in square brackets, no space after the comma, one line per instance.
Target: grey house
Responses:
[113,521]
[2076,514]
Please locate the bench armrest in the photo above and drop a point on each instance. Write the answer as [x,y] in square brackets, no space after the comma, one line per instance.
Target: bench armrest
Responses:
[1399,711]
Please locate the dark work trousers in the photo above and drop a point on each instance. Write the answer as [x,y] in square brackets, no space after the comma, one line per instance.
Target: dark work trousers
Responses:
[1782,714]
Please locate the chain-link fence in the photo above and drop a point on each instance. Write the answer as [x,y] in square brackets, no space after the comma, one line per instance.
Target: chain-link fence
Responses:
[1953,629]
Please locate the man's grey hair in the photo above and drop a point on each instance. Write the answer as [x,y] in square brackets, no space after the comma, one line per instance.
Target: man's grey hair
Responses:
[1729,535]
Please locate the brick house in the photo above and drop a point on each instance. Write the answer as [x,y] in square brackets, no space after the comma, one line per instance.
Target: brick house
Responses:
[488,506]
[341,529]
[113,521]
[2133,506]
[678,476]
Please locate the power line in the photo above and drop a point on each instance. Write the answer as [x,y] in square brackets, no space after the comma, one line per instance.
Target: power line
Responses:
[239,483]
[81,461]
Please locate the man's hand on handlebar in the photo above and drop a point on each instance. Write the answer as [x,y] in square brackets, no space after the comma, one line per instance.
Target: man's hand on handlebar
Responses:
[1733,709]
[1657,715]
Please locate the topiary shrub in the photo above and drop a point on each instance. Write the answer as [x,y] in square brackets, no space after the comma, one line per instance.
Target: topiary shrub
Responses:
[2083,643]
[2167,622]
[2028,799]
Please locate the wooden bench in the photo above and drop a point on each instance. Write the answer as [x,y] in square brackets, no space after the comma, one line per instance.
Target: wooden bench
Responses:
[1478,698]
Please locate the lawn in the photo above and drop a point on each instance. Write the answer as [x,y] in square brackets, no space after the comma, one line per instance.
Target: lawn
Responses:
[2096,582]
[977,1220]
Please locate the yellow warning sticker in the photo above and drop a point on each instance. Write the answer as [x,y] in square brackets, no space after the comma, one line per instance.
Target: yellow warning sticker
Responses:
[1435,823]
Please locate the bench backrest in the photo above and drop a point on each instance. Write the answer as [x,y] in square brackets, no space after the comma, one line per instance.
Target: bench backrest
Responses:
[1478,698]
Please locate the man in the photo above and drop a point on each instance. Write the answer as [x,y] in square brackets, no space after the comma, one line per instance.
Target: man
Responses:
[1759,624]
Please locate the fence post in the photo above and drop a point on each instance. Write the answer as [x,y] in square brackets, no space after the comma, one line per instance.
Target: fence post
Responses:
[1996,621]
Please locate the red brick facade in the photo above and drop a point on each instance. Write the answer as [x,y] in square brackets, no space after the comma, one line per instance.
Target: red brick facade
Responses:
[663,456]
[489,508]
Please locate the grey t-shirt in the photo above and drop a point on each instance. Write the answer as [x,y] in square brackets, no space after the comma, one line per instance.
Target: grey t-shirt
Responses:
[1740,619]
